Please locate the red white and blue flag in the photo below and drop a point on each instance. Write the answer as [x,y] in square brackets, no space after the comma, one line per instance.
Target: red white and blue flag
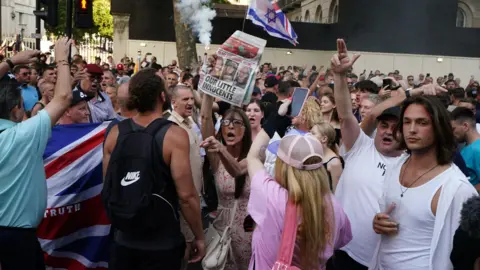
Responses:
[74,233]
[270,17]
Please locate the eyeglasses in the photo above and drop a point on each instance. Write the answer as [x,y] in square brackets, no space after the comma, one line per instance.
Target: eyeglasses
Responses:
[235,122]
[94,78]
[26,73]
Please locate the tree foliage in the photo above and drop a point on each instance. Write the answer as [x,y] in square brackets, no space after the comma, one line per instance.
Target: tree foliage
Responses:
[102,20]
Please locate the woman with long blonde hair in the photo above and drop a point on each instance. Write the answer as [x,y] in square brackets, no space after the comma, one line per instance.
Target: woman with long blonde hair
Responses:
[301,124]
[301,179]
[333,163]
[310,115]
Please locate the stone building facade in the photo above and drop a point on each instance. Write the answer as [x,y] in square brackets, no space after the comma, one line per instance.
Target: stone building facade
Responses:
[17,17]
[326,11]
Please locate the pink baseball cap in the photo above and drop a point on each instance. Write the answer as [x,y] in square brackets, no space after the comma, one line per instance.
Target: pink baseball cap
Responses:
[294,150]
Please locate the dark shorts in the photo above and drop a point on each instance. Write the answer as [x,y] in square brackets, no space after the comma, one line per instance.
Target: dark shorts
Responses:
[342,261]
[123,258]
[20,250]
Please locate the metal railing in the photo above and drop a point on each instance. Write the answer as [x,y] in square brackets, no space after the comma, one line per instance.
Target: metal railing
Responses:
[93,47]
[89,48]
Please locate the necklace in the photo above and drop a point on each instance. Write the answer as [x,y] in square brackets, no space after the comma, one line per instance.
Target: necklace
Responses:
[403,175]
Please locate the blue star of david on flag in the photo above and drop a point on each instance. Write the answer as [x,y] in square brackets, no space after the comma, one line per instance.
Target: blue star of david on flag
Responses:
[268,15]
[271,16]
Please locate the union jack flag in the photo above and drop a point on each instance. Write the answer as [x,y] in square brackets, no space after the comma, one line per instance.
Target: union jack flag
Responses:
[268,15]
[74,233]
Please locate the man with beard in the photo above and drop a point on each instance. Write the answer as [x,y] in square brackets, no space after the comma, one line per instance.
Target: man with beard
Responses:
[182,109]
[423,192]
[465,131]
[29,93]
[100,105]
[158,249]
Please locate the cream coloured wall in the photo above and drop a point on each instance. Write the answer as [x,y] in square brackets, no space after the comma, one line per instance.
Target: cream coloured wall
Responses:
[239,2]
[407,64]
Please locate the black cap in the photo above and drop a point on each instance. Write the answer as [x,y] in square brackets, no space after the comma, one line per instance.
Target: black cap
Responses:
[271,81]
[390,112]
[78,95]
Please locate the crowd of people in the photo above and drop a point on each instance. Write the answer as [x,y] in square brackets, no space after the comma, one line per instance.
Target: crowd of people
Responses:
[376,172]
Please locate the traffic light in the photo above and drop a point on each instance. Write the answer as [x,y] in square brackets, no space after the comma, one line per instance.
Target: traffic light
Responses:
[83,13]
[50,14]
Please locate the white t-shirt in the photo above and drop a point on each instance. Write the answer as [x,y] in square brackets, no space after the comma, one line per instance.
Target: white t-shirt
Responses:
[359,190]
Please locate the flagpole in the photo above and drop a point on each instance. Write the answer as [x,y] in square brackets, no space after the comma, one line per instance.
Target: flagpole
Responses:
[245,17]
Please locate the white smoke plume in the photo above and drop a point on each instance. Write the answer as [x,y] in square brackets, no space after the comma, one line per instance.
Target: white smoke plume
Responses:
[199,16]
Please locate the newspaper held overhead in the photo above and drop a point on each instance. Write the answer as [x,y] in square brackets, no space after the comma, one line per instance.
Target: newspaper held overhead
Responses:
[232,77]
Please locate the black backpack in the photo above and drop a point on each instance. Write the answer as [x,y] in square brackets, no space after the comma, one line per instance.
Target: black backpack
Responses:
[135,196]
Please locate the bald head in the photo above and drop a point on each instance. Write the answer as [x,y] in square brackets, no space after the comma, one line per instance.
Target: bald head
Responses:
[123,97]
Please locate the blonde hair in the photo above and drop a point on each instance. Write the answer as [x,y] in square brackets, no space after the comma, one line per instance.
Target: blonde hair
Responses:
[311,113]
[325,129]
[310,191]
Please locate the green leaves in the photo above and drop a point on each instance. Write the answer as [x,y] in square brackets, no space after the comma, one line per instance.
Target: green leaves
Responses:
[103,21]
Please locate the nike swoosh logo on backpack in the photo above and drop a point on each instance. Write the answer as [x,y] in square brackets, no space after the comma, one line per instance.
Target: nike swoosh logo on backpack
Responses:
[130,178]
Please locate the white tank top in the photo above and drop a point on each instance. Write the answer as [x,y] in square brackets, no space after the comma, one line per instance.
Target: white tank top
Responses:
[410,248]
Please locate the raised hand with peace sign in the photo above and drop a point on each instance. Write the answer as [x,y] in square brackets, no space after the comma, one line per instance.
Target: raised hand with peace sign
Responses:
[340,62]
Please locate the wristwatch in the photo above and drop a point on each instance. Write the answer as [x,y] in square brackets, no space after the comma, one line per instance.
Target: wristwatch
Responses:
[407,92]
[10,63]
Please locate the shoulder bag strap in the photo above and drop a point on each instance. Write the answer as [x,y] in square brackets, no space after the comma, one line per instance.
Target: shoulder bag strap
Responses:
[289,235]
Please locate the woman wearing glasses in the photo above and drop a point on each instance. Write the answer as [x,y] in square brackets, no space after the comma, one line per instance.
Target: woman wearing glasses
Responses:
[227,154]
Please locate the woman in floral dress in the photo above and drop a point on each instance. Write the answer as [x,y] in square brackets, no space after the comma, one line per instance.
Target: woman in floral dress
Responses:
[227,153]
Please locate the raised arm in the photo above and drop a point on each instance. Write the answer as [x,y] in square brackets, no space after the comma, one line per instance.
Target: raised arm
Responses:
[340,63]
[198,100]
[208,129]
[21,58]
[216,150]
[63,88]
[257,152]
[368,124]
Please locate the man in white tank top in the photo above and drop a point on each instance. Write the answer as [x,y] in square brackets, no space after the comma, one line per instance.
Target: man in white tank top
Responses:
[423,193]
[366,161]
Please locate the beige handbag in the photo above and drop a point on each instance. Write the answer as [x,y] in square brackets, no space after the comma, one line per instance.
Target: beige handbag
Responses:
[218,245]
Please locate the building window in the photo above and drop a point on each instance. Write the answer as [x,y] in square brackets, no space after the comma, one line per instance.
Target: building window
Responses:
[460,17]
[307,16]
[464,15]
[318,14]
[333,12]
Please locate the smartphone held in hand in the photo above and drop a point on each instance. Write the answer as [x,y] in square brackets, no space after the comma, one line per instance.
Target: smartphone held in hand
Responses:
[299,97]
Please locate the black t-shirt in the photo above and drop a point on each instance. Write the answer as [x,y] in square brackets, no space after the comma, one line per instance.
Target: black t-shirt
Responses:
[283,122]
[269,101]
[168,238]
